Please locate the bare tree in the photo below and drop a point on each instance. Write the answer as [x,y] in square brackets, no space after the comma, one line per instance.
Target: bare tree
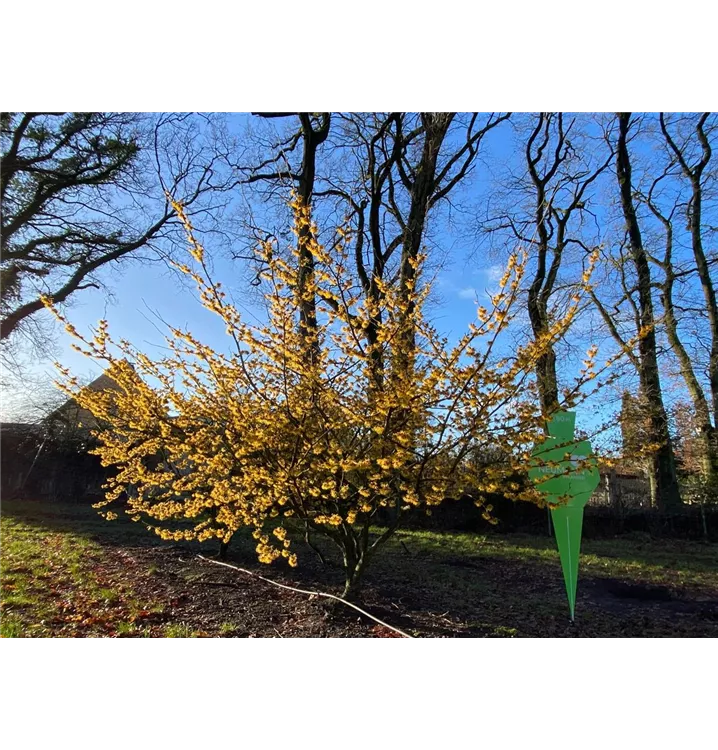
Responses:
[409,164]
[545,211]
[689,159]
[314,131]
[634,269]
[384,172]
[81,191]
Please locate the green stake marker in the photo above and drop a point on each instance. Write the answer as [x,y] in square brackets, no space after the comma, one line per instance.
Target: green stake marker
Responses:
[567,472]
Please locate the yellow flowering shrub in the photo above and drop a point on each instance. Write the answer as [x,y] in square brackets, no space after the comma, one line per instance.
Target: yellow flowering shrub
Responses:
[301,423]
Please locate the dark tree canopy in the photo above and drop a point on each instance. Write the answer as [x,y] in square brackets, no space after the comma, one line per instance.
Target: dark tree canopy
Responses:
[56,228]
[83,189]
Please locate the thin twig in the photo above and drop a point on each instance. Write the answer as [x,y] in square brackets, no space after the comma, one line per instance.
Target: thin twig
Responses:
[308,593]
[307,540]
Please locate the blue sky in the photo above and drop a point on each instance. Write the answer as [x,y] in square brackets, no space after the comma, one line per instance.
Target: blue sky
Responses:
[142,294]
[145,294]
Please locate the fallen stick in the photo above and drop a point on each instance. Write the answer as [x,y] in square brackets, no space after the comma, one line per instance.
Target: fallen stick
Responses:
[308,593]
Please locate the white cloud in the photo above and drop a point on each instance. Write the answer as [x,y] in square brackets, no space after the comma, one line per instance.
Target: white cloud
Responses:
[492,273]
[495,272]
[467,293]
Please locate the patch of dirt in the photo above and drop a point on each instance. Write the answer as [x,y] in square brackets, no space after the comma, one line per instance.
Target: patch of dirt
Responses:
[613,590]
[518,599]
[620,596]
[213,600]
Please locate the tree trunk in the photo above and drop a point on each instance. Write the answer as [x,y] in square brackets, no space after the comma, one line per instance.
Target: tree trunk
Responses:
[311,139]
[547,381]
[436,126]
[357,551]
[307,302]
[665,493]
[708,437]
[709,292]
[352,581]
[542,285]
[354,565]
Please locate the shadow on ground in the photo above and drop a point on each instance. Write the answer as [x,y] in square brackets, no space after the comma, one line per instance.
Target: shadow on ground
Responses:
[438,585]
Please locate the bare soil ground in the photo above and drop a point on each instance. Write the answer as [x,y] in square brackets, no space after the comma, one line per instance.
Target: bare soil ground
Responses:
[66,572]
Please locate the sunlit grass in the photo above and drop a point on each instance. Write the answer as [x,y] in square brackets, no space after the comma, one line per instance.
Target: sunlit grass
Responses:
[53,581]
[179,630]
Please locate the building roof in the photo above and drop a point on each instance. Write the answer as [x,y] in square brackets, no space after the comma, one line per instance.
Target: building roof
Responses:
[72,414]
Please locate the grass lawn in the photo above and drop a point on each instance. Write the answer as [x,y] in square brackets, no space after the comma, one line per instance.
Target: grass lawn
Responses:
[64,571]
[55,582]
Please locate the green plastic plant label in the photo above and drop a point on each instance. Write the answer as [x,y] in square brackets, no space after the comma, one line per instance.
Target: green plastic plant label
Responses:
[567,472]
